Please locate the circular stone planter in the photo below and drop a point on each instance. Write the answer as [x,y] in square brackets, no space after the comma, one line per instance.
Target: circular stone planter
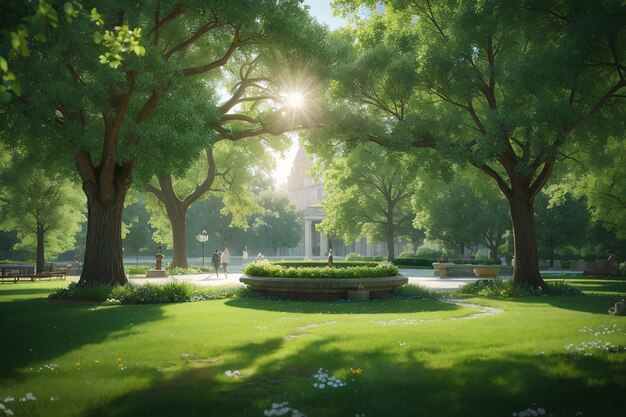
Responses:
[324,288]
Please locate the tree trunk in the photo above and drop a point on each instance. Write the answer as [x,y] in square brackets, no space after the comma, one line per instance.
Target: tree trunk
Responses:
[104,263]
[391,250]
[525,264]
[177,214]
[41,259]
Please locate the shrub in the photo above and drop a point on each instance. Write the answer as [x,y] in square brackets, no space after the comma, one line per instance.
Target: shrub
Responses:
[506,289]
[190,270]
[413,292]
[269,269]
[323,264]
[356,257]
[78,292]
[170,292]
[412,261]
[136,269]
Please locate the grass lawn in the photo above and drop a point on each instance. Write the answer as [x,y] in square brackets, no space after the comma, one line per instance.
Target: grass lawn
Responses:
[392,357]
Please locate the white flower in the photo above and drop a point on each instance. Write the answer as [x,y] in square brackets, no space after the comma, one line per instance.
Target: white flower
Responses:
[30,396]
[541,411]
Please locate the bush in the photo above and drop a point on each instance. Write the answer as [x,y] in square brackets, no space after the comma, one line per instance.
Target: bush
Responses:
[170,292]
[351,257]
[413,292]
[506,289]
[190,270]
[411,261]
[78,292]
[136,269]
[273,270]
[322,264]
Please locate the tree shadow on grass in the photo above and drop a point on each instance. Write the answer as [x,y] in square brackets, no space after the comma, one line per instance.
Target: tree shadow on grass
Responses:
[35,330]
[343,307]
[389,385]
[599,295]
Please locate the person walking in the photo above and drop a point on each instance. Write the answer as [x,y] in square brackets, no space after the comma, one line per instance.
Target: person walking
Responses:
[330,258]
[215,260]
[225,261]
[244,256]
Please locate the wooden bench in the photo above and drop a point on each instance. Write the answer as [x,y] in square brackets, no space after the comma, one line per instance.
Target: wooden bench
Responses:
[14,273]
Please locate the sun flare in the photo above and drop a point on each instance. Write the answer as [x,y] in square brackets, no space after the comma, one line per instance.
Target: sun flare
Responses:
[294,99]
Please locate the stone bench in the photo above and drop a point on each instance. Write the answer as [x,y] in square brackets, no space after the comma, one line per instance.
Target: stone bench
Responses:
[480,271]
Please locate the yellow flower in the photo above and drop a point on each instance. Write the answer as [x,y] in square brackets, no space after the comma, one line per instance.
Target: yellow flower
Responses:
[358,371]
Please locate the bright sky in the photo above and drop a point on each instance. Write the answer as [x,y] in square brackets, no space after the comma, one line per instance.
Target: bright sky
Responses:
[322,12]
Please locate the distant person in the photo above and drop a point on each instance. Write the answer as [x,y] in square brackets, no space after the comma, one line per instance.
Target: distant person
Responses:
[611,262]
[244,256]
[225,261]
[259,258]
[330,258]
[215,260]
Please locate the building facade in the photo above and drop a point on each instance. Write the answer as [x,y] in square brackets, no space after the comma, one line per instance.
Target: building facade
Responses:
[306,194]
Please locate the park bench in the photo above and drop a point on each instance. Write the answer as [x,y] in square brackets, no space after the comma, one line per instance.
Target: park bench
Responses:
[481,271]
[14,273]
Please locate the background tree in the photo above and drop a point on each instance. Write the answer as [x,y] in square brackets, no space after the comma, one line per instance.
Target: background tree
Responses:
[506,86]
[278,226]
[138,234]
[562,220]
[462,214]
[106,120]
[45,209]
[368,193]
[261,79]
[601,181]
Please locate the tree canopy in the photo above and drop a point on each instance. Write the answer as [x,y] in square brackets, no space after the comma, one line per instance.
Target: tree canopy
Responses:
[506,86]
[368,193]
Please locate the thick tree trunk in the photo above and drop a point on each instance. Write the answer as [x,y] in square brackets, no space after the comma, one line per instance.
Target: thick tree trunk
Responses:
[525,264]
[104,263]
[178,219]
[41,259]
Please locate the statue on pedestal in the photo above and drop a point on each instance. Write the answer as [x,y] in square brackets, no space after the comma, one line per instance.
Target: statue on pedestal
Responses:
[159,258]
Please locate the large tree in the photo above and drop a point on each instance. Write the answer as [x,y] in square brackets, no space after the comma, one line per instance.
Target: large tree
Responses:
[368,193]
[507,86]
[114,121]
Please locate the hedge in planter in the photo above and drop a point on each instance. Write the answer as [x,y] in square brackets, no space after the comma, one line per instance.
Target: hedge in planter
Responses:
[276,270]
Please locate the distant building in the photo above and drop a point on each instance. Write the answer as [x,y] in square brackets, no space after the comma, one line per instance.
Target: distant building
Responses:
[307,194]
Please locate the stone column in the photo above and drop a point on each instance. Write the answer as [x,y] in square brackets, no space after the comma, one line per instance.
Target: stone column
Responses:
[307,239]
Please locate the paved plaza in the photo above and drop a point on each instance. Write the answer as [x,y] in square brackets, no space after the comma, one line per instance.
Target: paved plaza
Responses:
[423,277]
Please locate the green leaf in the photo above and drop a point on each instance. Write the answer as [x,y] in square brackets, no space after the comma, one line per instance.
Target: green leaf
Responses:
[5,97]
[115,64]
[4,65]
[97,37]
[17,89]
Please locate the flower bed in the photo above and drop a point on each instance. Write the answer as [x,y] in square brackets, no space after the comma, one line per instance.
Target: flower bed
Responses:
[323,283]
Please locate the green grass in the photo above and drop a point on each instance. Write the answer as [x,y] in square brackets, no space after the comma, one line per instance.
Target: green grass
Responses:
[416,357]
